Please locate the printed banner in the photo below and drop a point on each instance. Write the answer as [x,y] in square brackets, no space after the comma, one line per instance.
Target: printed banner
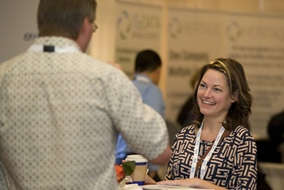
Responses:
[196,37]
[258,43]
[138,28]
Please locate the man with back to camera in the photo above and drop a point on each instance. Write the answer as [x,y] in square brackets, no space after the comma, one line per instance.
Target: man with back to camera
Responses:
[61,110]
[147,74]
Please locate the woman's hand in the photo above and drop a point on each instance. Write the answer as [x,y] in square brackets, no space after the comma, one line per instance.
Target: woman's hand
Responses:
[193,182]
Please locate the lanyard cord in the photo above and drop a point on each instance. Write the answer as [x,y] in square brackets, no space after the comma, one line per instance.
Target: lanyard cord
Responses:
[196,151]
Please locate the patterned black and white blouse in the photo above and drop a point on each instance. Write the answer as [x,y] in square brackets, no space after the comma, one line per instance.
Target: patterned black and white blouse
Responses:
[233,164]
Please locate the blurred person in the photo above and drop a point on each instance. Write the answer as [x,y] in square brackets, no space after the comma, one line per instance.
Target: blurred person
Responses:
[185,116]
[61,110]
[147,74]
[217,151]
[276,134]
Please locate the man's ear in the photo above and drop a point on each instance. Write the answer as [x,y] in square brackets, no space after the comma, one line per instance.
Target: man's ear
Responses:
[85,34]
[85,27]
[158,70]
[235,97]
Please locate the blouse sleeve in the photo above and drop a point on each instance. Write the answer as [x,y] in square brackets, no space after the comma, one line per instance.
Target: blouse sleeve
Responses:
[169,175]
[175,149]
[246,163]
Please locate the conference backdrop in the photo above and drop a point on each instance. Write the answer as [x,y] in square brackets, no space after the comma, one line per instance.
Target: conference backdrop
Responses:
[17,26]
[138,28]
[192,39]
[256,41]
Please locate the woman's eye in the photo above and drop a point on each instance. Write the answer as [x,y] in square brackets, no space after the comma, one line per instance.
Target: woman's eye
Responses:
[218,90]
[202,85]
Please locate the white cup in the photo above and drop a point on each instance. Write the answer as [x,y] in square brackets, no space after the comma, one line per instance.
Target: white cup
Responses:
[139,174]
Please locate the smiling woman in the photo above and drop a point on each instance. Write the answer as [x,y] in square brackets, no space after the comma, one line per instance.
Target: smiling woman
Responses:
[226,81]
[217,151]
[213,95]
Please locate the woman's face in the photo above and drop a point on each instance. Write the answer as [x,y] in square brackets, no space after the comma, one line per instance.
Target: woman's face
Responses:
[213,95]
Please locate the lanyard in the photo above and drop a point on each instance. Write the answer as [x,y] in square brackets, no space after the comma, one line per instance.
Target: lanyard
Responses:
[41,48]
[196,151]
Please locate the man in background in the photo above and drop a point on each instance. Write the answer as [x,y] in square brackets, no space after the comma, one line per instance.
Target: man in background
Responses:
[61,110]
[147,74]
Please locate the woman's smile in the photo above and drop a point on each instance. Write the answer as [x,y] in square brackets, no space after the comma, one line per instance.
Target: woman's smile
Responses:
[208,102]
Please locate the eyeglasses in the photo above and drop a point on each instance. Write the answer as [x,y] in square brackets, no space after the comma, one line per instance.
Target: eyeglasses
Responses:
[95,27]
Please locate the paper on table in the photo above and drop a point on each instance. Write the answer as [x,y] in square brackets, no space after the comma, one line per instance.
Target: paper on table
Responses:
[167,187]
[132,187]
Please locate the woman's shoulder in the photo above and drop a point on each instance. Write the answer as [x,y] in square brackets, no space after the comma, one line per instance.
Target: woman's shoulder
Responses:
[186,134]
[188,130]
[242,133]
[243,140]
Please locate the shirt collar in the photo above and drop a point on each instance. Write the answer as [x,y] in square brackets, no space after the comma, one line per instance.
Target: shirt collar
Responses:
[141,77]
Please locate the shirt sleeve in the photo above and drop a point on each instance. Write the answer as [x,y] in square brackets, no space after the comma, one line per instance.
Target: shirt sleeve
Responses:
[143,129]
[169,174]
[175,148]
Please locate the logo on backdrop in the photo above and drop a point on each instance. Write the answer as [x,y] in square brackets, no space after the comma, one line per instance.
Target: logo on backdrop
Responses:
[175,27]
[136,25]
[234,31]
[30,36]
[124,25]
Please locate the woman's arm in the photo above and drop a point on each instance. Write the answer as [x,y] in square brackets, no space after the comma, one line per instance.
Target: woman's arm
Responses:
[246,159]
[192,182]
